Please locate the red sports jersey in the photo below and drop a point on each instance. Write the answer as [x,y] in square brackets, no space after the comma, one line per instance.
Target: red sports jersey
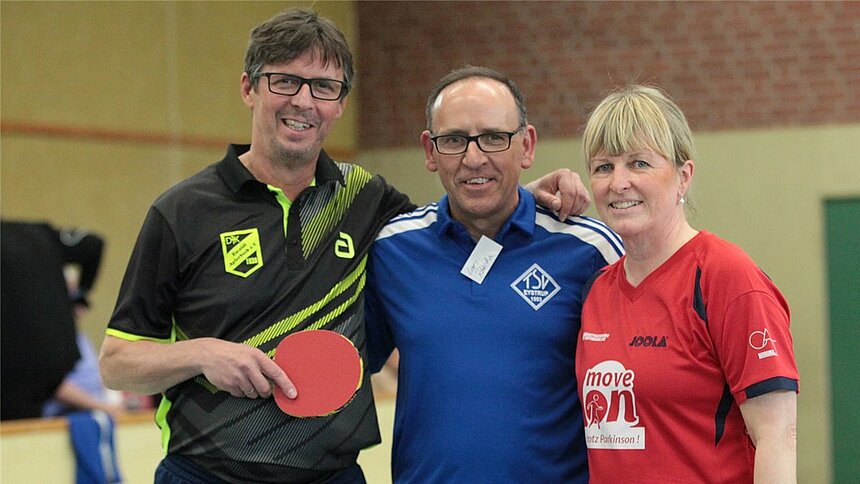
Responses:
[663,366]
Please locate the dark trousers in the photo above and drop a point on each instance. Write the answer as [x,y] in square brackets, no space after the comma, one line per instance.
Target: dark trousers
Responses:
[175,469]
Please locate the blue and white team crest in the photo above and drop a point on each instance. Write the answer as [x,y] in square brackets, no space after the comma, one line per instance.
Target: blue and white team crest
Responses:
[535,286]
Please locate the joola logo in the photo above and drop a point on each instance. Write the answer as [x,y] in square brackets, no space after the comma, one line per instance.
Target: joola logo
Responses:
[343,248]
[242,252]
[655,341]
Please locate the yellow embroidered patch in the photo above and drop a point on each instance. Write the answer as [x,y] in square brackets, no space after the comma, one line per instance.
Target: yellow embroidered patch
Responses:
[242,252]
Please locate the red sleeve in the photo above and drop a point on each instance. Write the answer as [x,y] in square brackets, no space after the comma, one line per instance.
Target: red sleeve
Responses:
[749,324]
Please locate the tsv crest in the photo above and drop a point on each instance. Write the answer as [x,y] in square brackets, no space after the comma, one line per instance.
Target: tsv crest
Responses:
[535,286]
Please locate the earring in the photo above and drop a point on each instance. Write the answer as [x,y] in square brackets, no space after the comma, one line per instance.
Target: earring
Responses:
[682,201]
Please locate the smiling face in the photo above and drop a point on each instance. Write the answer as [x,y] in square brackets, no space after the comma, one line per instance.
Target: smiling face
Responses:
[638,193]
[289,130]
[481,187]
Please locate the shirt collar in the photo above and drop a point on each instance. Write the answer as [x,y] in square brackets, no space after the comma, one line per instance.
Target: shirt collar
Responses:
[236,175]
[523,218]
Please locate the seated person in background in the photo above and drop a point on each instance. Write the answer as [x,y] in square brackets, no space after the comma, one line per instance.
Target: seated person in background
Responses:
[82,389]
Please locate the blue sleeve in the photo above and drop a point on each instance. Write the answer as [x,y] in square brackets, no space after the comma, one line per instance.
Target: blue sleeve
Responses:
[380,341]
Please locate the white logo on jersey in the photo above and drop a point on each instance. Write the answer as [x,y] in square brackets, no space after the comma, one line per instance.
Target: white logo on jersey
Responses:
[535,286]
[759,340]
[609,408]
[586,336]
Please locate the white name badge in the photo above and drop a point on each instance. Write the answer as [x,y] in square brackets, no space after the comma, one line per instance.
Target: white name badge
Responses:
[481,259]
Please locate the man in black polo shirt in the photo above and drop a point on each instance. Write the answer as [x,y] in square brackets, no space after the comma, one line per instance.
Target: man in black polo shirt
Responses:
[271,240]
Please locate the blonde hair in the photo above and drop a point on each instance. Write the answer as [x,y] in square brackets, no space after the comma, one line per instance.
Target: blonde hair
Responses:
[636,117]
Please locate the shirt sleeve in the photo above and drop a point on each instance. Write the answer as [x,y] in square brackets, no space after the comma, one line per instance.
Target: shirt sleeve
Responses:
[144,308]
[380,341]
[754,344]
[394,202]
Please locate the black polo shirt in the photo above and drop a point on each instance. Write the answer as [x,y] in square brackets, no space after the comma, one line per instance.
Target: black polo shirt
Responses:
[214,259]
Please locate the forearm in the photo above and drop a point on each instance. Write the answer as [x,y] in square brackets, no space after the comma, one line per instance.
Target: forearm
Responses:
[771,421]
[71,395]
[147,367]
[776,461]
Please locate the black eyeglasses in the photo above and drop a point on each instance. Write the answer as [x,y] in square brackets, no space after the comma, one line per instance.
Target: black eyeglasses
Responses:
[290,85]
[454,144]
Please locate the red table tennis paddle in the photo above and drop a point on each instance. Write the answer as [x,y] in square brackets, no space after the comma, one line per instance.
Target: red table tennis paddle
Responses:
[324,366]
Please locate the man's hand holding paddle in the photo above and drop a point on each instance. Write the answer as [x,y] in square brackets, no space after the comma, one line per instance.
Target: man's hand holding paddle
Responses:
[324,364]
[243,371]
[314,373]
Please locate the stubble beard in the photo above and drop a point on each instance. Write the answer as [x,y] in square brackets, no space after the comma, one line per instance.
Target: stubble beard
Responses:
[294,159]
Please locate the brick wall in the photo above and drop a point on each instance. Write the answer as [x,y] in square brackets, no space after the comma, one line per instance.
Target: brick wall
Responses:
[729,65]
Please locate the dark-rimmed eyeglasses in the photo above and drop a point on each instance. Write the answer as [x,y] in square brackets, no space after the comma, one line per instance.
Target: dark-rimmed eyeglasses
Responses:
[454,144]
[290,85]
